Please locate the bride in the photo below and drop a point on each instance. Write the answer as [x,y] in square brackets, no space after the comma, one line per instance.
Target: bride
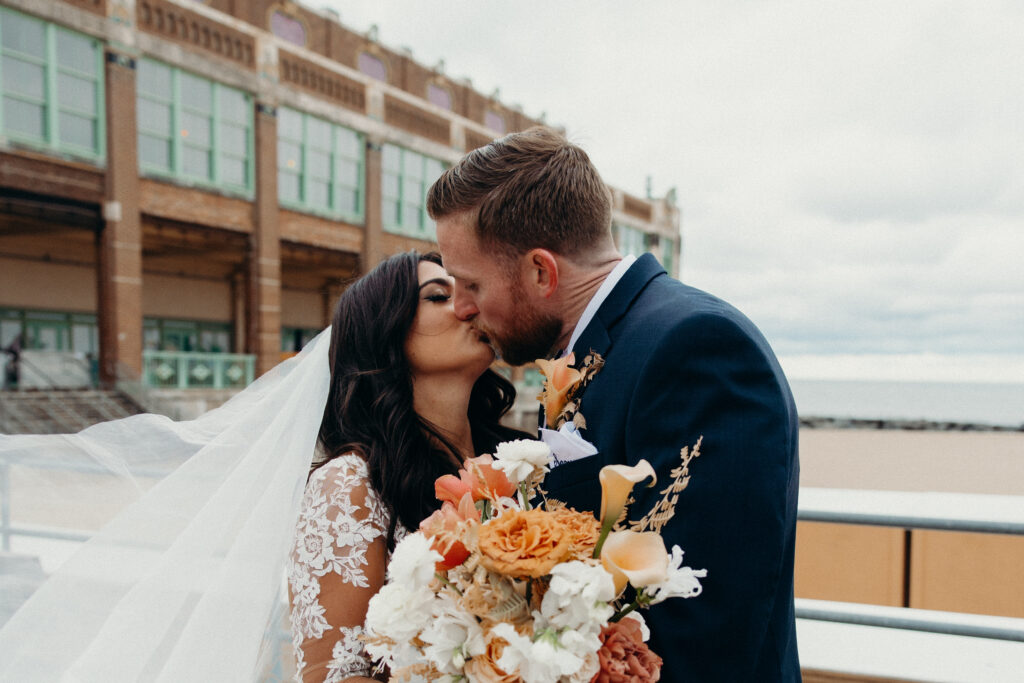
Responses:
[411,397]
[313,473]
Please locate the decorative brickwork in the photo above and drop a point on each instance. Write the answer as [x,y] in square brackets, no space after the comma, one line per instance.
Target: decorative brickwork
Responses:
[33,172]
[306,75]
[95,6]
[416,120]
[187,205]
[315,231]
[636,207]
[195,30]
[474,140]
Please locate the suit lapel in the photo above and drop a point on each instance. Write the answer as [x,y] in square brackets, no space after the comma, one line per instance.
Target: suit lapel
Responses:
[597,336]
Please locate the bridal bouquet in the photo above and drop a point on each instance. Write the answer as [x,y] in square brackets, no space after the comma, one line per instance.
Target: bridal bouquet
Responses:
[493,589]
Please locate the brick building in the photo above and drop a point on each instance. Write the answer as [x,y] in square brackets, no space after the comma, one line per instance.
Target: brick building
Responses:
[185,187]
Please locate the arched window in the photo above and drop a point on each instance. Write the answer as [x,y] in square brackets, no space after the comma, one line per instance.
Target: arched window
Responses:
[373,66]
[494,121]
[439,96]
[288,28]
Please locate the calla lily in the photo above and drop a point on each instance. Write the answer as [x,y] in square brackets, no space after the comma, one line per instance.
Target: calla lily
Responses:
[616,484]
[638,558]
[561,379]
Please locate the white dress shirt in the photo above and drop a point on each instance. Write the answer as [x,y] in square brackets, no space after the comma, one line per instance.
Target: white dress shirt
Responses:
[599,296]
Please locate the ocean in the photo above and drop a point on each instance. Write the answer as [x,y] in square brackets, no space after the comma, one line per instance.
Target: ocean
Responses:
[962,402]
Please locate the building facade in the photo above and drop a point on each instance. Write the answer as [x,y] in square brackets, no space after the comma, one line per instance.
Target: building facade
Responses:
[186,187]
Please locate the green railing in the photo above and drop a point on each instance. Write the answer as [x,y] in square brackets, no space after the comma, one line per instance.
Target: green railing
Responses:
[188,370]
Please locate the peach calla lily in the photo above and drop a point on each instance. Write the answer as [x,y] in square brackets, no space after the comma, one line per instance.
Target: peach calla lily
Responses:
[638,558]
[617,482]
[562,378]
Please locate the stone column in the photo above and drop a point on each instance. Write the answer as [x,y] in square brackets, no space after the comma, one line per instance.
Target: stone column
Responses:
[119,262]
[373,248]
[263,296]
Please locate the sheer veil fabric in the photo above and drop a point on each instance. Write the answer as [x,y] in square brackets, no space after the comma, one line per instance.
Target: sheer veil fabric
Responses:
[183,583]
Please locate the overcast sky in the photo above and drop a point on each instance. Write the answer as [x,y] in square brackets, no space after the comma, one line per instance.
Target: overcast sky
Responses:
[850,174]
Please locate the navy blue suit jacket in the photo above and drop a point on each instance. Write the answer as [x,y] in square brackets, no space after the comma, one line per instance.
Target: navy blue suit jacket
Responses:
[681,364]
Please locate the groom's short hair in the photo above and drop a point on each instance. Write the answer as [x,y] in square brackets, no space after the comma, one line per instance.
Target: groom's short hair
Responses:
[530,189]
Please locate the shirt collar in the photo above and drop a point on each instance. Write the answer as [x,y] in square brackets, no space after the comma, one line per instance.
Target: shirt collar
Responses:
[599,296]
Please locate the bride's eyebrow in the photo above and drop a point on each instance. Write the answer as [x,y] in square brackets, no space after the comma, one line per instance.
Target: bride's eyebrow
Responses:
[437,281]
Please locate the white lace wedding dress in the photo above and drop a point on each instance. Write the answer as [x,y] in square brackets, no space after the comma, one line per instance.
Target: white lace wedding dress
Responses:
[338,563]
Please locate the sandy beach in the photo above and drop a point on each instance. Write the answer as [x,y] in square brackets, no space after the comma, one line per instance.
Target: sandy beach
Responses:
[899,460]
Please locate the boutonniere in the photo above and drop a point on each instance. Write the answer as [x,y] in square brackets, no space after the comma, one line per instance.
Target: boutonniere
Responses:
[562,386]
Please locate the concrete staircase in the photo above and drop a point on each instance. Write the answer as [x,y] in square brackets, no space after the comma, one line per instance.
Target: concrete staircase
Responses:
[61,411]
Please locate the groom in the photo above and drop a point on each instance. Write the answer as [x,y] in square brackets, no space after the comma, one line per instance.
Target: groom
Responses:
[524,226]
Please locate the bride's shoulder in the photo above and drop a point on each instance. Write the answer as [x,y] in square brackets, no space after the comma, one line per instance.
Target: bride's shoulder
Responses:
[341,468]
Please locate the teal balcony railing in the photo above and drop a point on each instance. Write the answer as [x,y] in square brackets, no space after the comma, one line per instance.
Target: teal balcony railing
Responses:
[188,370]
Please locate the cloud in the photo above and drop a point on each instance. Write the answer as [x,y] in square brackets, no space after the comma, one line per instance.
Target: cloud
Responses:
[849,174]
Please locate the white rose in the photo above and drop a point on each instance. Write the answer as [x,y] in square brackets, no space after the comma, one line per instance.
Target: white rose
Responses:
[413,561]
[521,458]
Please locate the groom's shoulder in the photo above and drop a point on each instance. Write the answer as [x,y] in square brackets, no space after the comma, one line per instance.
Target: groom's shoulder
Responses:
[666,303]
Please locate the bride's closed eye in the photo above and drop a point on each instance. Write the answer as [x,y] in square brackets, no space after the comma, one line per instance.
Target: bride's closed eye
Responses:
[438,297]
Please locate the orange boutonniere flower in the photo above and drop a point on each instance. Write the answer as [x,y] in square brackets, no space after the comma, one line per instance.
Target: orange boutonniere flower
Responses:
[561,380]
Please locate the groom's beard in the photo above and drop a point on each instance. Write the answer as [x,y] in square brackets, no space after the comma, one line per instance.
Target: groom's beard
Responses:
[531,336]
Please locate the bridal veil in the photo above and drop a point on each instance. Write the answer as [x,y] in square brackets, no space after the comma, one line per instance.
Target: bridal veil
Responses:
[185,582]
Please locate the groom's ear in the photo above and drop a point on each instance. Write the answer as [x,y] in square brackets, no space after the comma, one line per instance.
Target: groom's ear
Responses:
[540,272]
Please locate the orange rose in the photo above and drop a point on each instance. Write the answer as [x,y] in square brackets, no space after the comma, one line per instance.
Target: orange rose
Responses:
[583,529]
[561,381]
[624,656]
[524,543]
[446,527]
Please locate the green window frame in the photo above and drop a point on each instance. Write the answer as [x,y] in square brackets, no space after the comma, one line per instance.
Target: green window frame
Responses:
[405,178]
[194,130]
[50,330]
[170,334]
[632,240]
[668,254]
[320,166]
[51,88]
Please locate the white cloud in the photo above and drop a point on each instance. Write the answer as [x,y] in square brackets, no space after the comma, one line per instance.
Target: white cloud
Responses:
[849,173]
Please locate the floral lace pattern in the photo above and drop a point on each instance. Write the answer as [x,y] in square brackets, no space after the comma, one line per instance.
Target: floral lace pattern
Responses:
[341,519]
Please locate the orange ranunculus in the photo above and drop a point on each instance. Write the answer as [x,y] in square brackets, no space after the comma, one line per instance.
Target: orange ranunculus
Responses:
[446,527]
[490,483]
[450,488]
[561,380]
[524,543]
[634,556]
[583,529]
[624,656]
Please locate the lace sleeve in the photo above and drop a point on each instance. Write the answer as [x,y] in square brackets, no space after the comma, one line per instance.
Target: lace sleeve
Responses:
[338,563]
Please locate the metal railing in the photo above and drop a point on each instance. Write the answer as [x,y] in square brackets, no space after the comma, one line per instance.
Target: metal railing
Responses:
[191,370]
[972,513]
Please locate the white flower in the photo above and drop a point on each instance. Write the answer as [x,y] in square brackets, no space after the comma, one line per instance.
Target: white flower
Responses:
[578,596]
[645,633]
[398,612]
[413,561]
[545,659]
[452,637]
[681,582]
[522,458]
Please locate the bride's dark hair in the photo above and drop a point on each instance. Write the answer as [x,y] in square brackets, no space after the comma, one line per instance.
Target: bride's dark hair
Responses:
[369,407]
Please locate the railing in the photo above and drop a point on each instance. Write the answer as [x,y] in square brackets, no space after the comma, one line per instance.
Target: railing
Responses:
[945,511]
[861,641]
[188,370]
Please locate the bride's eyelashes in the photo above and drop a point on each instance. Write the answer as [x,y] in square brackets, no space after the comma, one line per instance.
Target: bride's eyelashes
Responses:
[438,298]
